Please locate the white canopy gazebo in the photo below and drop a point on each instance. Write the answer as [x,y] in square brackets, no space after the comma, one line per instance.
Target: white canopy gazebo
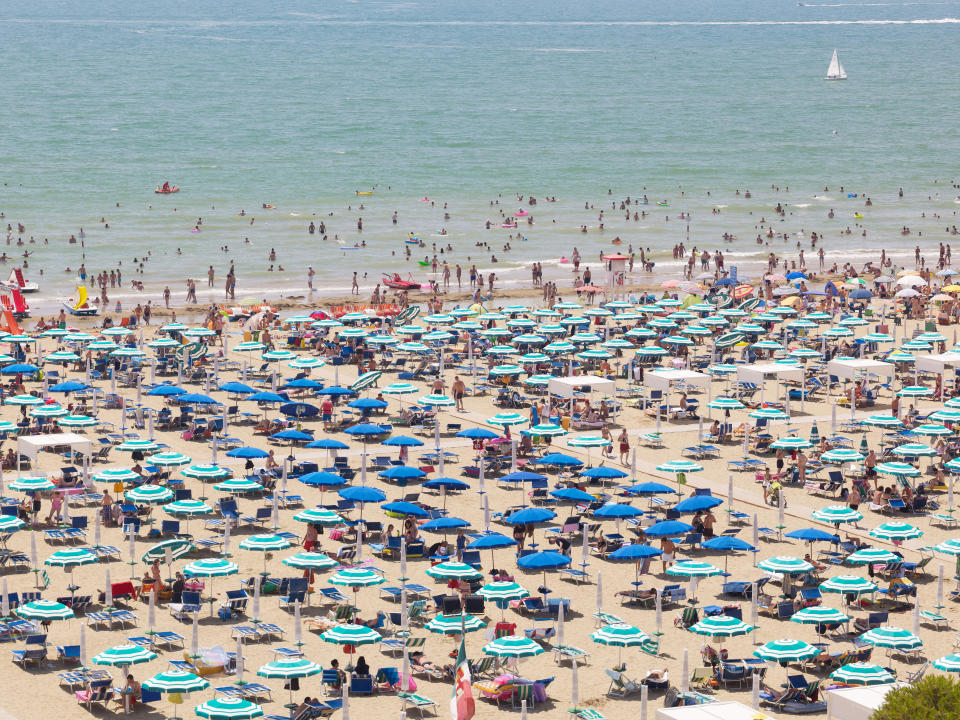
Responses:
[666,380]
[759,373]
[31,445]
[572,385]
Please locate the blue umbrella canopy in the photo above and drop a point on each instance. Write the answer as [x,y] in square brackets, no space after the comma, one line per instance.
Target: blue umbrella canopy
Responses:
[19,368]
[299,410]
[292,435]
[265,396]
[304,383]
[522,476]
[491,541]
[362,493]
[322,479]
[405,508]
[402,441]
[68,386]
[367,404]
[365,430]
[247,452]
[634,551]
[402,472]
[544,560]
[444,523]
[665,528]
[166,390]
[650,488]
[697,503]
[448,483]
[604,472]
[560,459]
[615,510]
[572,494]
[812,535]
[477,434]
[196,399]
[723,542]
[327,444]
[335,390]
[530,516]
[237,388]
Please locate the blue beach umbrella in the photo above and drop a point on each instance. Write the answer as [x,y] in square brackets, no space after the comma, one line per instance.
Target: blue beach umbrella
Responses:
[522,476]
[442,524]
[530,516]
[560,459]
[650,488]
[265,396]
[327,444]
[604,473]
[477,434]
[402,472]
[572,494]
[665,528]
[697,503]
[322,479]
[446,484]
[299,410]
[237,388]
[196,399]
[294,435]
[250,453]
[166,390]
[362,494]
[402,441]
[401,507]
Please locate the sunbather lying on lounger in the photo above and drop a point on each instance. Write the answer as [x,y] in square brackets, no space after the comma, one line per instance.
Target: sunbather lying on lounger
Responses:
[420,664]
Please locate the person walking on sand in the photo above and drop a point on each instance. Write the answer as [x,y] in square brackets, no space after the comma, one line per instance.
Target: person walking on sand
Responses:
[459,389]
[624,443]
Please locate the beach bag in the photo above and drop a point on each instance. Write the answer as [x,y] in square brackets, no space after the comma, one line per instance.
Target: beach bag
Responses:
[336,534]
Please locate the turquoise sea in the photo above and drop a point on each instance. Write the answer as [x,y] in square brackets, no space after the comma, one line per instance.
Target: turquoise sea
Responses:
[297,104]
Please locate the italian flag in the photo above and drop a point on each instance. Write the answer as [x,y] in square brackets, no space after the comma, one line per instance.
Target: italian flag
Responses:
[461,699]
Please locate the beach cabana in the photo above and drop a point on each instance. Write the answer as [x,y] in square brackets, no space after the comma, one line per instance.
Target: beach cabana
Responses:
[569,387]
[853,369]
[857,703]
[31,445]
[758,373]
[666,380]
[937,364]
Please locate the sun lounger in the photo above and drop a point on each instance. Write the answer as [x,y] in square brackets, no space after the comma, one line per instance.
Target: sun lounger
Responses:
[571,653]
[419,702]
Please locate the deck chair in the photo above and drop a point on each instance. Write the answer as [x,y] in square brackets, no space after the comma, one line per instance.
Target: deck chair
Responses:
[620,684]
[689,618]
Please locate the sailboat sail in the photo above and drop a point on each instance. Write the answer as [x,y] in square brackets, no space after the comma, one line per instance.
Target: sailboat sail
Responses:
[835,71]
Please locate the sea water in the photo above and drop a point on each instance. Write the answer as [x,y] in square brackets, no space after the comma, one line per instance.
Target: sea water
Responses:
[298,104]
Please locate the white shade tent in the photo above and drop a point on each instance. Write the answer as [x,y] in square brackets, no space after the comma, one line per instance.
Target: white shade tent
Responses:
[847,368]
[937,363]
[758,373]
[857,703]
[711,711]
[572,385]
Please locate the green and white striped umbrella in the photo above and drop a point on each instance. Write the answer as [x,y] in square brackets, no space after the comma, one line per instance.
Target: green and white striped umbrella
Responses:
[264,543]
[304,363]
[862,674]
[130,352]
[168,459]
[786,565]
[355,577]
[453,569]
[501,370]
[61,356]
[177,547]
[318,516]
[150,494]
[206,472]
[786,651]
[382,340]
[10,523]
[45,610]
[896,531]
[693,568]
[620,635]
[310,561]
[32,484]
[353,333]
[589,441]
[437,401]
[949,547]
[249,347]
[803,353]
[24,400]
[721,626]
[226,708]
[7,426]
[506,590]
[948,663]
[163,342]
[210,567]
[103,345]
[725,403]
[841,455]
[451,624]
[516,646]
[113,475]
[175,681]
[915,450]
[791,443]
[767,345]
[892,637]
[848,585]
[76,421]
[545,430]
[505,419]
[278,355]
[837,514]
[537,380]
[944,415]
[238,485]
[837,332]
[53,411]
[769,414]
[819,615]
[680,466]
[933,430]
[915,391]
[70,558]
[871,556]
[188,507]
[135,445]
[79,337]
[289,668]
[498,350]
[124,655]
[400,388]
[349,634]
[116,332]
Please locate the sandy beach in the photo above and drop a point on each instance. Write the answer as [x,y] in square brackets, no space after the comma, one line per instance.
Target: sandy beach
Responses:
[613,577]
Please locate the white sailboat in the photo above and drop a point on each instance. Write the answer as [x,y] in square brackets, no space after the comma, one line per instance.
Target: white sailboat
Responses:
[835,71]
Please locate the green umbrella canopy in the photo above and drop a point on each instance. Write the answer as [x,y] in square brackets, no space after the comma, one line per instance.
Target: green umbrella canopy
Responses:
[620,635]
[349,634]
[513,646]
[45,610]
[506,590]
[451,624]
[356,577]
[289,668]
[453,569]
[785,564]
[786,651]
[124,655]
[310,561]
[228,709]
[819,615]
[892,637]
[721,626]
[862,674]
[175,681]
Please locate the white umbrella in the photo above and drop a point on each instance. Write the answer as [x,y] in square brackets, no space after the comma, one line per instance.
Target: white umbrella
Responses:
[685,673]
[256,597]
[297,626]
[151,613]
[574,685]
[560,624]
[226,539]
[195,636]
[108,589]
[599,592]
[5,601]
[345,711]
[916,617]
[659,617]
[239,663]
[644,693]
[756,691]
